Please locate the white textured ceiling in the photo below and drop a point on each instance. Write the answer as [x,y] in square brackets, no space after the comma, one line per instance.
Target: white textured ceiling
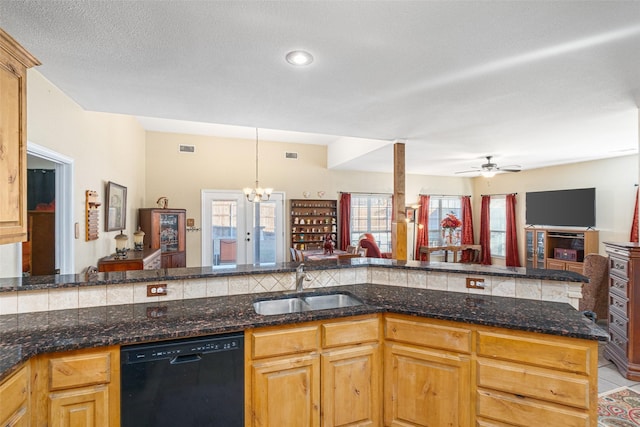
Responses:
[532,83]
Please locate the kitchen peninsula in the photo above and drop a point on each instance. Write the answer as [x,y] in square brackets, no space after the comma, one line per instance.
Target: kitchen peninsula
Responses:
[418,309]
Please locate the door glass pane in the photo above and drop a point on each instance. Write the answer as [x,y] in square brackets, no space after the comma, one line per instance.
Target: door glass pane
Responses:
[224,232]
[168,232]
[264,233]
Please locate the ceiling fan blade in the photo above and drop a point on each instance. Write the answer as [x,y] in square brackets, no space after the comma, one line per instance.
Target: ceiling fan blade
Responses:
[469,171]
[508,170]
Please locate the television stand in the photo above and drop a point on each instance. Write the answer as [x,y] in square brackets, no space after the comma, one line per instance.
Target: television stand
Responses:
[559,248]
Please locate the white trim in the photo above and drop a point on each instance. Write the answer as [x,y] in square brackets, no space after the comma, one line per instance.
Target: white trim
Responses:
[65,261]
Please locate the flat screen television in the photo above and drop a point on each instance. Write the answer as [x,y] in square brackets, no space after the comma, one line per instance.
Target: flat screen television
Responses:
[562,208]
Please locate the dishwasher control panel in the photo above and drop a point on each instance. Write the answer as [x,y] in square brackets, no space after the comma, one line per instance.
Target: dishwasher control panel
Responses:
[190,346]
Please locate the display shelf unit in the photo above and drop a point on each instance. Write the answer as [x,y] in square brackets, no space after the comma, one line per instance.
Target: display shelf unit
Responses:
[541,245]
[312,221]
[165,229]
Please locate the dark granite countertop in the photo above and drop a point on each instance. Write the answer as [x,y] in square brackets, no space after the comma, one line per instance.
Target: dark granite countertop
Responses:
[25,335]
[75,280]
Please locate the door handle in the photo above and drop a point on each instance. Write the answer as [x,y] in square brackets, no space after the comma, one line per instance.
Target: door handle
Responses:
[187,358]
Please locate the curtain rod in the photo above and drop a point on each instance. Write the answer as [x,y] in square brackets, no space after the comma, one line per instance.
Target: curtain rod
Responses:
[362,192]
[445,195]
[499,194]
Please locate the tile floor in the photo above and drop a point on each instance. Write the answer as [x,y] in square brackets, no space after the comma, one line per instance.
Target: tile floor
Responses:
[609,378]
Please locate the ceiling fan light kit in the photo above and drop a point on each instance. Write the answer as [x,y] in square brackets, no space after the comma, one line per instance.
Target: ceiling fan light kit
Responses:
[489,169]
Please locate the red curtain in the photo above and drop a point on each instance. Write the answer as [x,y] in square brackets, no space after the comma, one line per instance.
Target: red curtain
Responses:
[485,231]
[512,256]
[345,216]
[422,219]
[467,226]
[634,224]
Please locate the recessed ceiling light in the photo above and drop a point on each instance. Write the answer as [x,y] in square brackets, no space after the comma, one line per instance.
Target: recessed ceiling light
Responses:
[299,57]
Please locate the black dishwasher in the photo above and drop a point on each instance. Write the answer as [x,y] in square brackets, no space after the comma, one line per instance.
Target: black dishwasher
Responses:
[188,382]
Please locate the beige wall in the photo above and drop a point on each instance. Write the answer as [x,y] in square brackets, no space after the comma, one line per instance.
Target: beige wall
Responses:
[104,147]
[229,164]
[614,180]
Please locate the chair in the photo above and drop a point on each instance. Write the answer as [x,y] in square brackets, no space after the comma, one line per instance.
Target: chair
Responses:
[292,252]
[373,250]
[595,294]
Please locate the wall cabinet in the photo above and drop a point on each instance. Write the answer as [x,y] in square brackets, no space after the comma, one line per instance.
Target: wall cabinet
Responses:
[623,349]
[311,221]
[78,388]
[165,229]
[544,246]
[15,398]
[14,61]
[330,365]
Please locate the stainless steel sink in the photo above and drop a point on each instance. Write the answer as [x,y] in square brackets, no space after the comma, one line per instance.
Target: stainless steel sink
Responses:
[301,303]
[321,302]
[279,306]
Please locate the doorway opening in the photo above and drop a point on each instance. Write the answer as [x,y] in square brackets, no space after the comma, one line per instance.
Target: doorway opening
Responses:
[59,214]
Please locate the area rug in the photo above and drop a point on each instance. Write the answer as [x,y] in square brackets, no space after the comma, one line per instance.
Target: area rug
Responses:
[619,408]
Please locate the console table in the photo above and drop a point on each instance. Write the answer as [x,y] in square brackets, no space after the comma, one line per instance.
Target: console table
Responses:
[147,259]
[426,250]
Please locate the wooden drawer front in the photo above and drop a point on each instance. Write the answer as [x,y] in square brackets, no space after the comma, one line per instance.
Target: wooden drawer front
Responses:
[619,267]
[80,370]
[277,342]
[428,335]
[546,354]
[618,286]
[619,303]
[523,411]
[619,323]
[13,393]
[545,384]
[491,423]
[352,332]
[576,267]
[618,341]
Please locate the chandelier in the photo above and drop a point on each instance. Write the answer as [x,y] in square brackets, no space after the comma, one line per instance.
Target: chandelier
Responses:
[257,194]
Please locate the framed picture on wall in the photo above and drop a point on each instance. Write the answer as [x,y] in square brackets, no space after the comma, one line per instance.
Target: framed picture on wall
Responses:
[116,207]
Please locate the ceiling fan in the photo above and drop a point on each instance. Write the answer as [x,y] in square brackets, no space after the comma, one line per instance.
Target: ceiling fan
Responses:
[489,169]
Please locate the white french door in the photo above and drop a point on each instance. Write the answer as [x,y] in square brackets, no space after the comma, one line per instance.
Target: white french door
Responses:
[236,231]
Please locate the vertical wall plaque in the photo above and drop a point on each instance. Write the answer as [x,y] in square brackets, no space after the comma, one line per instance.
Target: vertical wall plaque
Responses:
[93,214]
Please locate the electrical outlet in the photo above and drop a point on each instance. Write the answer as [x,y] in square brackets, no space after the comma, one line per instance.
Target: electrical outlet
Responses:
[473,283]
[156,290]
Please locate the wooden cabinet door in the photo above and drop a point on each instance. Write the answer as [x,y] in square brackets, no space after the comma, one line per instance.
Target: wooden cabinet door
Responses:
[86,407]
[553,264]
[286,392]
[14,399]
[351,387]
[426,387]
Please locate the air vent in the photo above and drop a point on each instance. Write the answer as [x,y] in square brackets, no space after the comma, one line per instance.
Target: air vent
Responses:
[288,155]
[187,148]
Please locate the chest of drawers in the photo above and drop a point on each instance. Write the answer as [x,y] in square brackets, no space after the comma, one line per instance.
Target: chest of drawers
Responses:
[623,348]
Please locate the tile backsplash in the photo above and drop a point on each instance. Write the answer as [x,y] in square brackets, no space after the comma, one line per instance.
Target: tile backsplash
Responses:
[131,293]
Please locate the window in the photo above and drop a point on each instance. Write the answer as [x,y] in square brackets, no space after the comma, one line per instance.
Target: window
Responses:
[498,225]
[439,207]
[371,213]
